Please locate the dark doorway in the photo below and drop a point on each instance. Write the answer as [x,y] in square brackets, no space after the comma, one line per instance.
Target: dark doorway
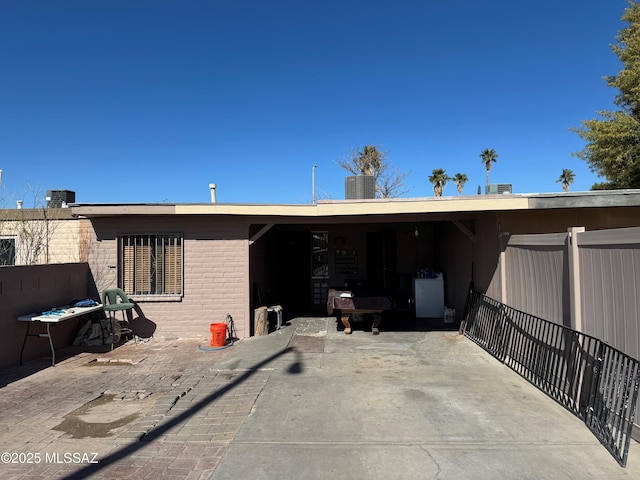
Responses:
[382,259]
[292,271]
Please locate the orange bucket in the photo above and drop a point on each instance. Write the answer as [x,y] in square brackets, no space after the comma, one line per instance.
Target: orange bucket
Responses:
[218,334]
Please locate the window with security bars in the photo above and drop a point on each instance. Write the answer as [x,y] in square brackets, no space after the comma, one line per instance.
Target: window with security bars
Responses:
[7,251]
[150,264]
[319,254]
[319,267]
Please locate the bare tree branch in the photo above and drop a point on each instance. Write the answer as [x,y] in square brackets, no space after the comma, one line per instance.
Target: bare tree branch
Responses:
[374,162]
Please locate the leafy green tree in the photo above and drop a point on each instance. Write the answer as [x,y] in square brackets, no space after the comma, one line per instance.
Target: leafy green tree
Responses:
[460,179]
[613,141]
[438,179]
[566,178]
[374,162]
[488,157]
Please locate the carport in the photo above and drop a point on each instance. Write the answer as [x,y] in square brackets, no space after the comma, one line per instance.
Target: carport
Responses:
[295,261]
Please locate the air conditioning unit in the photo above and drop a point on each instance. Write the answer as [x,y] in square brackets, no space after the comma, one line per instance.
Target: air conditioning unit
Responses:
[359,187]
[497,188]
[60,198]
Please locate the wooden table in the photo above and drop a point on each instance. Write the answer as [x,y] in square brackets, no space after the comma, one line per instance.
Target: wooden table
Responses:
[348,302]
[50,317]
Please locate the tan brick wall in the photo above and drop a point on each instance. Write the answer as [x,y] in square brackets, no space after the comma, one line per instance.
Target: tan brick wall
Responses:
[58,237]
[63,246]
[215,273]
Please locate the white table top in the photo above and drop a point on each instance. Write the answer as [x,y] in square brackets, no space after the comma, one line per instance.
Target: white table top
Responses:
[58,314]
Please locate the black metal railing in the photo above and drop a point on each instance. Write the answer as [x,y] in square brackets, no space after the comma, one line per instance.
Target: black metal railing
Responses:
[593,380]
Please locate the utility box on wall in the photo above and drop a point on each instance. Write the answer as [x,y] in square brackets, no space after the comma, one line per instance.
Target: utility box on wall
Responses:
[359,187]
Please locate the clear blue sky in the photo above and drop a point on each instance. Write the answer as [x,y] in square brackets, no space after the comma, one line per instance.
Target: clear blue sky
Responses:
[151,100]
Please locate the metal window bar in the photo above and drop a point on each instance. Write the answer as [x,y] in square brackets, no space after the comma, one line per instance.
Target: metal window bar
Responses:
[150,264]
[319,255]
[7,251]
[591,379]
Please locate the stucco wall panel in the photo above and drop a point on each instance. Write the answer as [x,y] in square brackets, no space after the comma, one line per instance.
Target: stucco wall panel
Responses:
[455,250]
[558,220]
[486,255]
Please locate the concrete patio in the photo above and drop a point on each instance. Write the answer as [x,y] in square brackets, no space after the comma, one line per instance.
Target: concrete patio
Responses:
[306,402]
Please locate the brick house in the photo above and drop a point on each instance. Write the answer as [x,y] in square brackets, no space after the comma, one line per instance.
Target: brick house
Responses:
[188,265]
[42,236]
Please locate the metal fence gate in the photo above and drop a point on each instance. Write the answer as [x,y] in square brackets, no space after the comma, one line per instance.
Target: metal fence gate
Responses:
[593,380]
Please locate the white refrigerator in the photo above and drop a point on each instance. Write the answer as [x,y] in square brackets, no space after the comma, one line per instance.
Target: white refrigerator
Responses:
[428,297]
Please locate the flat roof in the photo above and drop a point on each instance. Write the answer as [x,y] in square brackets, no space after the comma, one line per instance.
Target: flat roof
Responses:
[381,206]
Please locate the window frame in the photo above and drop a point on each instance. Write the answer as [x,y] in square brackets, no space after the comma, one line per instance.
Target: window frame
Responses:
[139,242]
[9,238]
[319,254]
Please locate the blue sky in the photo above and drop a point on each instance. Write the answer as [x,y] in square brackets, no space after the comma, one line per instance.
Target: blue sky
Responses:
[127,101]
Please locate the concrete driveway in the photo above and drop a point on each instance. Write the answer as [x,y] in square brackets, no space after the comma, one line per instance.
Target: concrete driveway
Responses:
[306,402]
[404,405]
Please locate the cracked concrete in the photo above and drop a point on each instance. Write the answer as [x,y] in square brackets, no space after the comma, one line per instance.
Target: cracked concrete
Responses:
[107,415]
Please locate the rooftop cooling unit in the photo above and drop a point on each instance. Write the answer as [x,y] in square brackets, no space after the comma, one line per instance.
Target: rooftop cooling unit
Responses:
[359,187]
[60,198]
[497,188]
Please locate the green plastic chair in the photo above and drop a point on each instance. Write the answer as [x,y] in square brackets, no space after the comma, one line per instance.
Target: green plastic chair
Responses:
[115,300]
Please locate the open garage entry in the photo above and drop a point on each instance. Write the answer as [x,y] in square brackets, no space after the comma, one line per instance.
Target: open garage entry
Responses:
[296,266]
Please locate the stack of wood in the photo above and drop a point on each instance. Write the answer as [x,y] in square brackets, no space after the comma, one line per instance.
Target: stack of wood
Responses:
[261,321]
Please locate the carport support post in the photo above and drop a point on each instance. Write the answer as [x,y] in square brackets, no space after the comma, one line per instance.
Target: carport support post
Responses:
[574,278]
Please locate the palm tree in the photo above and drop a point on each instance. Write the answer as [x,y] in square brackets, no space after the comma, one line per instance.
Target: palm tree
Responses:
[566,178]
[373,162]
[370,160]
[488,156]
[460,179]
[438,179]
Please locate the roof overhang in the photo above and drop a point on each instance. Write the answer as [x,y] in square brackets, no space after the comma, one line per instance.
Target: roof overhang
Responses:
[374,207]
